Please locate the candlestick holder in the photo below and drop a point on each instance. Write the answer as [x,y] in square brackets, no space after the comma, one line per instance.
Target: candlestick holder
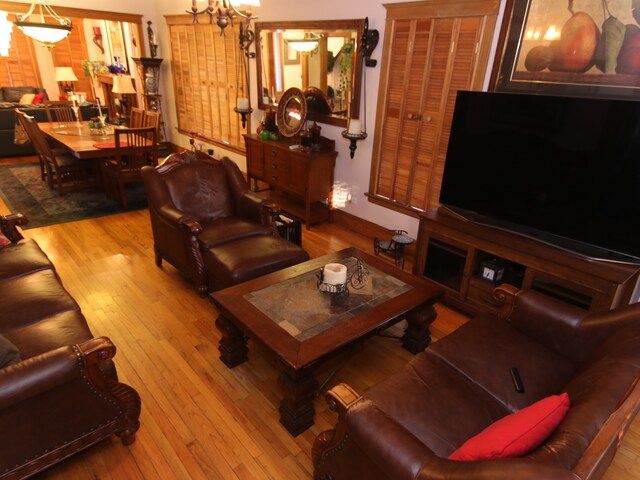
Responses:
[243,115]
[353,138]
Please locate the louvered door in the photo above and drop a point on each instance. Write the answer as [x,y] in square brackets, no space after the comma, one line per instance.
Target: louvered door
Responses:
[431,51]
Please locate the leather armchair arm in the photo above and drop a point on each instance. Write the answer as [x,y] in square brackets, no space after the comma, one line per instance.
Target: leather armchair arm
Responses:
[175,217]
[257,209]
[8,224]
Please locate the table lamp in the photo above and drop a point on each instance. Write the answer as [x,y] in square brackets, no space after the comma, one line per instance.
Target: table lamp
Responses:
[123,86]
[65,76]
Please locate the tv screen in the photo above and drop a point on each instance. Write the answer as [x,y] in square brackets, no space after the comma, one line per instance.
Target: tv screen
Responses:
[564,170]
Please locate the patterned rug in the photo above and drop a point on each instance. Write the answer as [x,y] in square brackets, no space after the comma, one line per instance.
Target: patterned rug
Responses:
[24,192]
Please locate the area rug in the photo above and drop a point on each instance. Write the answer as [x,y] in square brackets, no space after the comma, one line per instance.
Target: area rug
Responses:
[24,192]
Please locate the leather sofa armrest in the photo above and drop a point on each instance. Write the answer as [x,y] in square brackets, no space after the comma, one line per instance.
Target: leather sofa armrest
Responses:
[32,376]
[569,330]
[391,450]
[8,224]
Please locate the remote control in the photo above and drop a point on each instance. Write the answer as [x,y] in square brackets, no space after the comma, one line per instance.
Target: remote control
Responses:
[517,381]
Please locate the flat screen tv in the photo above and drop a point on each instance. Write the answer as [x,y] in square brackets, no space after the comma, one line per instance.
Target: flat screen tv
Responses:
[563,170]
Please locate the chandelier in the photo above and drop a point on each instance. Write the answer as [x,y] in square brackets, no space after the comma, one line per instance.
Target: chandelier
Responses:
[224,11]
[46,33]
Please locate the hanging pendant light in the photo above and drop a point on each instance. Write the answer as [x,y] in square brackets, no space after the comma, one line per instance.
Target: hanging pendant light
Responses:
[46,33]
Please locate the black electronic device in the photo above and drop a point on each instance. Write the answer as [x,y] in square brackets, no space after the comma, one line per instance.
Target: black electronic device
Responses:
[517,381]
[563,170]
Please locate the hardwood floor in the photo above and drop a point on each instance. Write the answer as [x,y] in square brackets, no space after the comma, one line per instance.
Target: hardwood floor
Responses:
[200,419]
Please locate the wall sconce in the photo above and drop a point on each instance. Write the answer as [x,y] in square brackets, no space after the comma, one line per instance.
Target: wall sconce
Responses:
[357,130]
[97,38]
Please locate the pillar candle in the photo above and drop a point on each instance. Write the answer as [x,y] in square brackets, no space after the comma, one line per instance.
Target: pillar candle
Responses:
[243,104]
[354,127]
[334,274]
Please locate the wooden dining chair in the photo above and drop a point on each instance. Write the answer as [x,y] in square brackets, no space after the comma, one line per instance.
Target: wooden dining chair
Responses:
[151,119]
[64,172]
[135,148]
[61,111]
[136,117]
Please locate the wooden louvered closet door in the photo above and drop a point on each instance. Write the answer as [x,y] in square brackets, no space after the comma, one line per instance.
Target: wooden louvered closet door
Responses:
[432,49]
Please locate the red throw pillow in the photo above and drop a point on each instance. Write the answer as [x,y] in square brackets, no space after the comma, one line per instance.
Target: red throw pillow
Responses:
[38,98]
[516,434]
[4,241]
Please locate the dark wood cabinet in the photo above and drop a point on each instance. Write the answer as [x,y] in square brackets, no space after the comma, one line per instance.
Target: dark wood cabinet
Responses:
[300,181]
[454,253]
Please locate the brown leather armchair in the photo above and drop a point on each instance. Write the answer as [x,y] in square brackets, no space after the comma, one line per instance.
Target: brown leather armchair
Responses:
[60,393]
[199,208]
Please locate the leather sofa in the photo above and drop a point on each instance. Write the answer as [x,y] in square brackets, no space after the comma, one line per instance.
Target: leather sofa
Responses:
[460,388]
[210,226]
[8,123]
[59,390]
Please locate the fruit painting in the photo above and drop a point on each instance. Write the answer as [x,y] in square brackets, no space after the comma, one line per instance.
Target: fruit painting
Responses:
[581,47]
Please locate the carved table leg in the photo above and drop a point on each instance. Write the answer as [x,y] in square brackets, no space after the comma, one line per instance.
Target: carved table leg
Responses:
[233,344]
[417,335]
[296,407]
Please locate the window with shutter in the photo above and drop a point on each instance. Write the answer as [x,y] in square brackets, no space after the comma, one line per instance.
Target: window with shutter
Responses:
[432,49]
[206,78]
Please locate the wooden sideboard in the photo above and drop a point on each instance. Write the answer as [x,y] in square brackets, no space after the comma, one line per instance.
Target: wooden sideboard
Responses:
[300,181]
[453,252]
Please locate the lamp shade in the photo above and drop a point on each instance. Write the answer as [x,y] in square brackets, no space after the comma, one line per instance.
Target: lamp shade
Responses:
[65,74]
[123,84]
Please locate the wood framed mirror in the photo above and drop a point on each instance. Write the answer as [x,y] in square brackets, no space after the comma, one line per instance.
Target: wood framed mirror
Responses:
[317,57]
[292,112]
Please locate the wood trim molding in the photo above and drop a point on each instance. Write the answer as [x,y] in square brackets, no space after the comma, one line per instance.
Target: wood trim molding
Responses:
[441,9]
[17,7]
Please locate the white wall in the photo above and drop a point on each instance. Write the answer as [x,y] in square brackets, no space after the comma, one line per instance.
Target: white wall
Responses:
[353,172]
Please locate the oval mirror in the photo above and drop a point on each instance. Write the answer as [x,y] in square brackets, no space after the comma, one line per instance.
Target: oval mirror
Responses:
[318,57]
[292,112]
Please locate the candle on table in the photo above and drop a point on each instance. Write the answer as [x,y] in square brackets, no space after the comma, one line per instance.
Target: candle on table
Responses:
[243,104]
[99,109]
[334,274]
[354,127]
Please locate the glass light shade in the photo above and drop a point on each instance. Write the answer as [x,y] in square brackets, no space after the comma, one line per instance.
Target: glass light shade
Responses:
[123,84]
[303,46]
[48,34]
[65,74]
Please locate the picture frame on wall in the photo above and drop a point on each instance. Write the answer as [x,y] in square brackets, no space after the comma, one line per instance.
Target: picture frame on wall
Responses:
[558,47]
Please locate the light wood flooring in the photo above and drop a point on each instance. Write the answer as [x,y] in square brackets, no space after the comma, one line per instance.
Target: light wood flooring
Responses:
[200,419]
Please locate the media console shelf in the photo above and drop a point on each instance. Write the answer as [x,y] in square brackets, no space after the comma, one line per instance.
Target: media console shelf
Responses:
[454,253]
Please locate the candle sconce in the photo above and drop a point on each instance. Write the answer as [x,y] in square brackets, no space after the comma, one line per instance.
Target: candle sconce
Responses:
[243,114]
[356,131]
[353,138]
[97,38]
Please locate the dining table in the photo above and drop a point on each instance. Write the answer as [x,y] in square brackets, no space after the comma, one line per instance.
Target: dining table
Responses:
[80,140]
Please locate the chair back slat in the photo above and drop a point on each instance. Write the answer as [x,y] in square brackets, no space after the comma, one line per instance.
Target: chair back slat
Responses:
[60,111]
[135,148]
[136,117]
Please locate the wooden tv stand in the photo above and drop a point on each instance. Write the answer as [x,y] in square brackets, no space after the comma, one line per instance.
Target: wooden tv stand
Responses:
[453,252]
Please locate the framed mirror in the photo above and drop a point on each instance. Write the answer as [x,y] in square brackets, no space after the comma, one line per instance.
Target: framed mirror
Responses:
[317,57]
[292,112]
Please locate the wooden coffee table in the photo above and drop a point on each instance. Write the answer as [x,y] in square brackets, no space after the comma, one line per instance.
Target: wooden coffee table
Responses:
[286,312]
